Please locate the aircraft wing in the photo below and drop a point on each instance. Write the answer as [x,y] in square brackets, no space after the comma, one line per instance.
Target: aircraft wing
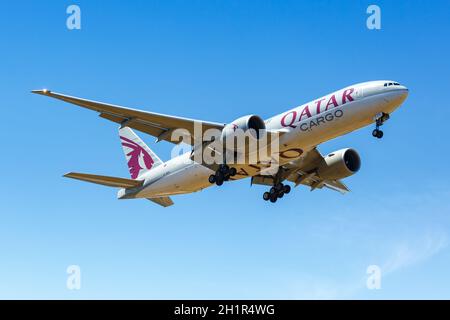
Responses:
[158,125]
[303,171]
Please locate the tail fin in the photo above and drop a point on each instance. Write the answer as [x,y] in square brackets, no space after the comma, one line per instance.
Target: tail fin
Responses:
[140,157]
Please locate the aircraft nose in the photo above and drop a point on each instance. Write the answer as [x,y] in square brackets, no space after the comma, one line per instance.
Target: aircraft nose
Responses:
[403,91]
[399,95]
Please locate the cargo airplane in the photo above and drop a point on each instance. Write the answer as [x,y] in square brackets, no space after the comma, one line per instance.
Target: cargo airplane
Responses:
[299,131]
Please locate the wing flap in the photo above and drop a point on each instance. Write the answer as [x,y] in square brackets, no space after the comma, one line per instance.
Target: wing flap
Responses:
[105,180]
[148,128]
[337,185]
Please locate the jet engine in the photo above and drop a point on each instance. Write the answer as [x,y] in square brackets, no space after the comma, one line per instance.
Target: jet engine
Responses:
[340,164]
[251,126]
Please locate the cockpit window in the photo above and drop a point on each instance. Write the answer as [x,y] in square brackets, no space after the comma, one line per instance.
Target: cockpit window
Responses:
[388,84]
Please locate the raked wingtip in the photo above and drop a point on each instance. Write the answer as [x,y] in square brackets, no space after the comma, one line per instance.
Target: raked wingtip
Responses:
[41,91]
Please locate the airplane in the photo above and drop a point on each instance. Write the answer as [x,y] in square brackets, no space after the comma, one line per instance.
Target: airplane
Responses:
[299,130]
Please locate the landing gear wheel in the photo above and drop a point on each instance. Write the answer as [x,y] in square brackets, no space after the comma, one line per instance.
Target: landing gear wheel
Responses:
[276,192]
[380,119]
[380,134]
[223,173]
[287,189]
[273,191]
[219,178]
[224,169]
[377,133]
[273,198]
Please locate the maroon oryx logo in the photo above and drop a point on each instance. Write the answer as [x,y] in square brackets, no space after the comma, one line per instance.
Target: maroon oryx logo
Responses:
[138,158]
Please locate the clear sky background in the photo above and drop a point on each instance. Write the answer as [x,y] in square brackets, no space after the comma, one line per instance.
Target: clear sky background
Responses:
[219,60]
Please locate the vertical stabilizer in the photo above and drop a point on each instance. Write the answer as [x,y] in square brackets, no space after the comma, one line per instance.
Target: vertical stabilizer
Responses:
[140,158]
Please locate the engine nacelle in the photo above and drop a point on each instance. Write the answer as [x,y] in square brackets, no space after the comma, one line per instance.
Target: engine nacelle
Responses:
[340,164]
[252,126]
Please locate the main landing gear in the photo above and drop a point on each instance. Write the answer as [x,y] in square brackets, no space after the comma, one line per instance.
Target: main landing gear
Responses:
[380,119]
[277,191]
[222,174]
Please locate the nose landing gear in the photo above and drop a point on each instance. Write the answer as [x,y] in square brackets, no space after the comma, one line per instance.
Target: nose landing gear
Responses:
[222,174]
[380,119]
[377,133]
[276,192]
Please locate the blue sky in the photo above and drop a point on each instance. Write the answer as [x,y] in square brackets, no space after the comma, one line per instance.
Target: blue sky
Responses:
[218,60]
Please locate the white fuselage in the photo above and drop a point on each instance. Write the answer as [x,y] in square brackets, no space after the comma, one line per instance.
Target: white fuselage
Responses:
[304,127]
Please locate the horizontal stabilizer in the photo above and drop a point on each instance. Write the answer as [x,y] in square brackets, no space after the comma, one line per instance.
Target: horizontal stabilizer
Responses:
[162,201]
[105,180]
